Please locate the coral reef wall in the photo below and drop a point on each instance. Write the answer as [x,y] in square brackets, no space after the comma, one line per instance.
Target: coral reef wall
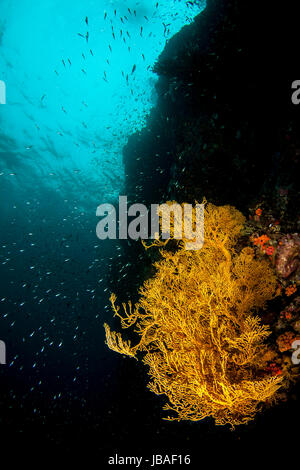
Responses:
[224,126]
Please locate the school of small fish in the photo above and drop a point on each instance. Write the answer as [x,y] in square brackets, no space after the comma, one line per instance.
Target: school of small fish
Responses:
[55,172]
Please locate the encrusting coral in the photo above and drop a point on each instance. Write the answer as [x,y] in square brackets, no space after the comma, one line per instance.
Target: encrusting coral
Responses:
[288,254]
[199,333]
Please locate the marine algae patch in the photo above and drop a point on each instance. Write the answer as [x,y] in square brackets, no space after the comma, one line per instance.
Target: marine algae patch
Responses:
[199,331]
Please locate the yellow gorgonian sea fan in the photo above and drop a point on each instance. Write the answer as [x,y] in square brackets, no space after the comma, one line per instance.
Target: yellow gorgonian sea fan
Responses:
[200,335]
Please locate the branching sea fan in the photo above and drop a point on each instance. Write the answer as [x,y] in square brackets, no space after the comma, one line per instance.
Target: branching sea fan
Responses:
[200,334]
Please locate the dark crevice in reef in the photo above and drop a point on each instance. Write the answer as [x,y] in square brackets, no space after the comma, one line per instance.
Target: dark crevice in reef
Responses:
[224,126]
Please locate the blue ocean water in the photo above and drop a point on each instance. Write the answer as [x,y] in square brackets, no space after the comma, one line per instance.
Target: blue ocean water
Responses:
[79,82]
[72,95]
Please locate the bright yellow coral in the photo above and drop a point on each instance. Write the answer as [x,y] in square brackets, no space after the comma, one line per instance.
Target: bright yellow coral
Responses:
[199,333]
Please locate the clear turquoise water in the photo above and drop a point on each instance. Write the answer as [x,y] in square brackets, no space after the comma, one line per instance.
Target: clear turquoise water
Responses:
[69,111]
